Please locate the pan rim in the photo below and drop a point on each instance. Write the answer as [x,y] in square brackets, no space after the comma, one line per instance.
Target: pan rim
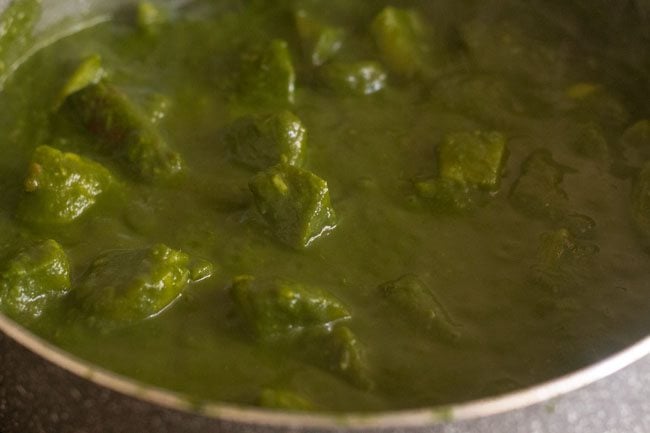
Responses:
[411,418]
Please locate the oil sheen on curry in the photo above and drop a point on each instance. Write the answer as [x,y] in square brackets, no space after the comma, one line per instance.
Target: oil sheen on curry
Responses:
[323,205]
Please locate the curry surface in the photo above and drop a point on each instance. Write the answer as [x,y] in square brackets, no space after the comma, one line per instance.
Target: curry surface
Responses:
[513,331]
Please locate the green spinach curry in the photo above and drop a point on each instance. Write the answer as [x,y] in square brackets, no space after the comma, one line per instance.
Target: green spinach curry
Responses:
[323,205]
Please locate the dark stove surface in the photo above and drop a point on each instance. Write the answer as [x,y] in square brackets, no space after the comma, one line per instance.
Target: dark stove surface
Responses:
[617,404]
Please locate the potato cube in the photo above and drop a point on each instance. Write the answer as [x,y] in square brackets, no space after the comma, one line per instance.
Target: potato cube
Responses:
[271,79]
[319,42]
[295,203]
[127,286]
[537,192]
[399,36]
[475,158]
[33,279]
[124,131]
[360,78]
[60,187]
[278,308]
[261,141]
[413,297]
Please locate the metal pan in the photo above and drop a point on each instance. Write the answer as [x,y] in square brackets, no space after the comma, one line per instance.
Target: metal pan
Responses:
[43,389]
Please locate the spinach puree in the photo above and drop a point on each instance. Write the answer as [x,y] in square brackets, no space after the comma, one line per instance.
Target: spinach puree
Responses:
[324,205]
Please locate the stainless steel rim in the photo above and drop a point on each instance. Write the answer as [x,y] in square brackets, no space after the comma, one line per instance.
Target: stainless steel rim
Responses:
[396,419]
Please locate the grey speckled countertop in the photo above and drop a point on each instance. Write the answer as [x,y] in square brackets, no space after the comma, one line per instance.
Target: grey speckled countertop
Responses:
[617,404]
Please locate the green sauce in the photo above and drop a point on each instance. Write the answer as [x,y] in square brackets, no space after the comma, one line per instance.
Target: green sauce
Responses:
[331,206]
